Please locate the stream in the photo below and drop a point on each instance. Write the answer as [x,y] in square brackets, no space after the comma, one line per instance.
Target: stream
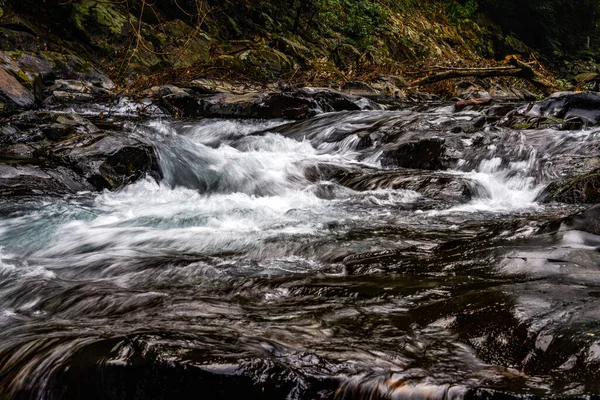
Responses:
[299,260]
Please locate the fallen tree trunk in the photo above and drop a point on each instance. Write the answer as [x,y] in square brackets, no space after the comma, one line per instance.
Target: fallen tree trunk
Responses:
[514,68]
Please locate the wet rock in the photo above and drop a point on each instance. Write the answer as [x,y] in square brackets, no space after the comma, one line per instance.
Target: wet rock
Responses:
[587,221]
[70,147]
[14,97]
[331,100]
[300,104]
[397,387]
[153,368]
[32,180]
[433,185]
[423,154]
[583,189]
[568,106]
[107,160]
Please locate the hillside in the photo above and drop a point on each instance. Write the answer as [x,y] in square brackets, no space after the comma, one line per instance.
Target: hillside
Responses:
[317,42]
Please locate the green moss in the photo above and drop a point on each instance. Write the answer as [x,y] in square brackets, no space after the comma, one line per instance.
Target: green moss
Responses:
[522,126]
[104,14]
[21,77]
[1,12]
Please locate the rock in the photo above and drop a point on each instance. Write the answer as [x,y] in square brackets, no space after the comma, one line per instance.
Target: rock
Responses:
[72,150]
[295,50]
[72,91]
[331,100]
[182,45]
[107,160]
[99,24]
[433,185]
[271,63]
[423,154]
[14,97]
[396,80]
[587,221]
[165,90]
[583,189]
[346,56]
[33,180]
[299,104]
[52,66]
[584,106]
[214,86]
[469,90]
[587,80]
[156,367]
[356,88]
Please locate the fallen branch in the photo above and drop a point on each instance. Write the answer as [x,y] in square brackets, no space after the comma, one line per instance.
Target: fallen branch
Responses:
[467,73]
[537,79]
[514,67]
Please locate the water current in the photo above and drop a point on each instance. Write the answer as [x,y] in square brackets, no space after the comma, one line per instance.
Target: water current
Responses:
[281,259]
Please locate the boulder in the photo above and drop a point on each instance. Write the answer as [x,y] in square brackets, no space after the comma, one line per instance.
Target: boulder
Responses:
[67,153]
[14,97]
[268,62]
[587,221]
[582,106]
[427,154]
[32,180]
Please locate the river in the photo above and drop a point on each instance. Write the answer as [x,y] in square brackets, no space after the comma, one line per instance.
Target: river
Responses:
[290,260]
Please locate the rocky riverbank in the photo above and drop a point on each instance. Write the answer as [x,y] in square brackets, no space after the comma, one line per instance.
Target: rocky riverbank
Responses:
[67,129]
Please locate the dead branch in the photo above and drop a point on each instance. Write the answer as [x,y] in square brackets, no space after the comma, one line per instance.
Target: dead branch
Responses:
[514,67]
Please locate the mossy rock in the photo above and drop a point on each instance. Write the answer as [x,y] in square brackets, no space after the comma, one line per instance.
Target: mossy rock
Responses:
[101,13]
[183,45]
[346,56]
[299,52]
[583,189]
[102,24]
[517,46]
[270,61]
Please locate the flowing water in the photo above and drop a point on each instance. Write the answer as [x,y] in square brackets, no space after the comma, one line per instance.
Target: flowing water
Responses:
[288,260]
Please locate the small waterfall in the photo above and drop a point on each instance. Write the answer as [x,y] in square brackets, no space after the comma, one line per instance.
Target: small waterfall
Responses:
[503,185]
